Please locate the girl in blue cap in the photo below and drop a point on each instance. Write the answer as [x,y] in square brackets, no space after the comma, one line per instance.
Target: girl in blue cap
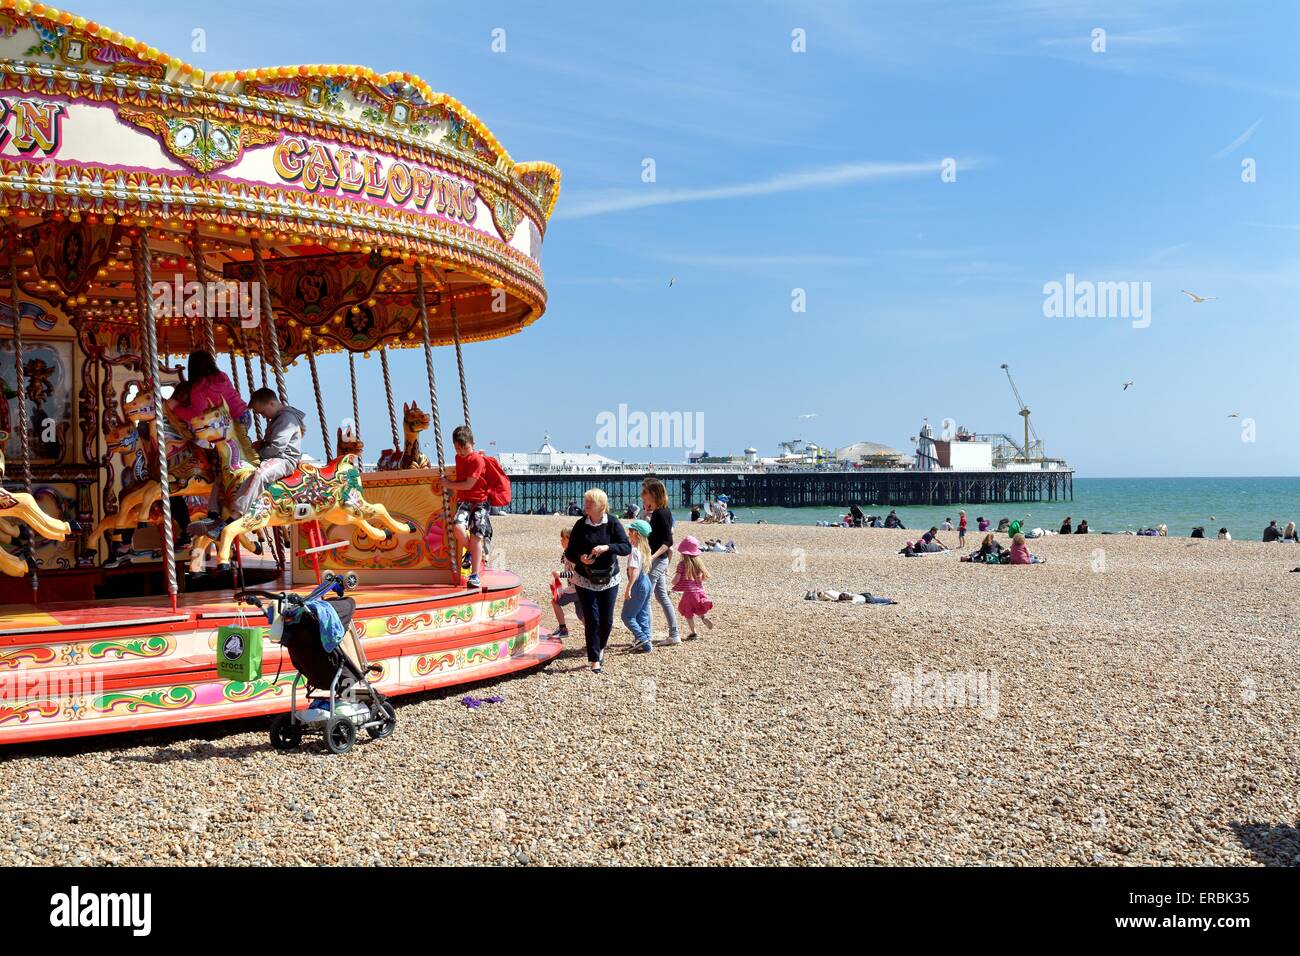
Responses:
[636,598]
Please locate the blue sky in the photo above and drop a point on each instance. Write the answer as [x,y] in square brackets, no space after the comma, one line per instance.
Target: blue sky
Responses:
[819,171]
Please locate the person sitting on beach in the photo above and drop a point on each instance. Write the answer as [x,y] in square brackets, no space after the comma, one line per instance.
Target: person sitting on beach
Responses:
[892,520]
[856,516]
[1198,531]
[1083,527]
[563,591]
[1289,532]
[877,521]
[982,523]
[989,551]
[1271,533]
[1020,552]
[1066,527]
[1223,535]
[695,512]
[1013,528]
[1162,530]
[947,524]
[1003,525]
[932,537]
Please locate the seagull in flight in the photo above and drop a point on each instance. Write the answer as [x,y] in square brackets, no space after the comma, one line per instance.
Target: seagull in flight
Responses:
[1126,385]
[671,281]
[809,415]
[1198,298]
[1234,414]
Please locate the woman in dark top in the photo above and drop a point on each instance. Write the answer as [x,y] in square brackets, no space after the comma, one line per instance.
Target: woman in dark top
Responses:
[1065,526]
[1083,527]
[654,496]
[595,545]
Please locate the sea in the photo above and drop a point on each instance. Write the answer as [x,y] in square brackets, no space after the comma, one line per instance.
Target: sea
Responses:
[1244,506]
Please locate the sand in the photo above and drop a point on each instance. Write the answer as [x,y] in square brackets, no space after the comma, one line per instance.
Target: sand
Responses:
[1132,701]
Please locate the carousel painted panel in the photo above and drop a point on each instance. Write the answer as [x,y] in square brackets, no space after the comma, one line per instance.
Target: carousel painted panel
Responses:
[409,495]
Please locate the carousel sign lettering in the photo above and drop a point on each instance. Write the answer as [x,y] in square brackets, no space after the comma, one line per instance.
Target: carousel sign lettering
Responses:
[316,166]
[30,124]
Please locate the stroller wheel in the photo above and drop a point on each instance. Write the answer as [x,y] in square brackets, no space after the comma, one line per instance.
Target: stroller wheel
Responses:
[286,733]
[340,734]
[389,717]
[350,580]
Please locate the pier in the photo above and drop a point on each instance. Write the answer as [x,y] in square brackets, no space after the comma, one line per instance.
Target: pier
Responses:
[794,487]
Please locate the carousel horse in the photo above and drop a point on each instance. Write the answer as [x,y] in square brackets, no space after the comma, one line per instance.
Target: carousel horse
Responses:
[414,421]
[20,506]
[349,445]
[332,493]
[124,440]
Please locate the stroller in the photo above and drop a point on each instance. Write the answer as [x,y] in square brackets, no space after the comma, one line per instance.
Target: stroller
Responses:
[351,704]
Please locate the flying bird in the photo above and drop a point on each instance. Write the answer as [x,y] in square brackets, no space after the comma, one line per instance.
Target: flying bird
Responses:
[1234,414]
[671,281]
[1126,385]
[809,415]
[1198,298]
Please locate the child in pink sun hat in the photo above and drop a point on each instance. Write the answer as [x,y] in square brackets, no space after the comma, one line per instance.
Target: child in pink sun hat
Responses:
[689,582]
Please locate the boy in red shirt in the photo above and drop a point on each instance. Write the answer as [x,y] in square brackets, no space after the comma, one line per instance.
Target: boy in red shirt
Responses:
[472,524]
[961,530]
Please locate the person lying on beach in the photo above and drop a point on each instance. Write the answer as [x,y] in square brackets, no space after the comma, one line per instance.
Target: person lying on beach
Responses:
[847,597]
[715,544]
[1020,552]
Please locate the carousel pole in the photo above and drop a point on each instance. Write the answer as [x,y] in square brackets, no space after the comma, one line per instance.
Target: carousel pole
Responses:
[201,273]
[460,361]
[356,408]
[320,402]
[452,550]
[20,383]
[238,337]
[143,281]
[392,407]
[271,335]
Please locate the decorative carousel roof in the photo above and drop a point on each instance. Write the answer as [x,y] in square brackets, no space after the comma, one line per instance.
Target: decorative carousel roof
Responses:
[349,179]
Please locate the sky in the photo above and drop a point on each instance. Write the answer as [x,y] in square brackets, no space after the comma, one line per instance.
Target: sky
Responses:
[817,178]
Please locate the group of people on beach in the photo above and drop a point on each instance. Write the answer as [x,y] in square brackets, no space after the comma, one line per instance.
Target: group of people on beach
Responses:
[591,578]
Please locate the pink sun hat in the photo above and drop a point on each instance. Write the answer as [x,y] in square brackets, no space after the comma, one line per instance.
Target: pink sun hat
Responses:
[689,546]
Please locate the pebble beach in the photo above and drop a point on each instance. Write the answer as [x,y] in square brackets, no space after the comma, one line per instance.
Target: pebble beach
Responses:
[1133,701]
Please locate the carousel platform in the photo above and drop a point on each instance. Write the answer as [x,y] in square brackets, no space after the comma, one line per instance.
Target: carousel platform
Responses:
[80,668]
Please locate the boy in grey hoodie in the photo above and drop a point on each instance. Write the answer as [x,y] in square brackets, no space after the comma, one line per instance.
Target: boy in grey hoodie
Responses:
[280,450]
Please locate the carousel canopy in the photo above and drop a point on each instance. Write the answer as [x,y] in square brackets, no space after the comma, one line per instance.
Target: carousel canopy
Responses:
[348,181]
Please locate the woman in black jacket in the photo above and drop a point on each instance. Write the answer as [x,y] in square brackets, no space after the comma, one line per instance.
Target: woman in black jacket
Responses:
[595,545]
[654,496]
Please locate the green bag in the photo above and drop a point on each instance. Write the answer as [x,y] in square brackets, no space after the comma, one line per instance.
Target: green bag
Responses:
[239,653]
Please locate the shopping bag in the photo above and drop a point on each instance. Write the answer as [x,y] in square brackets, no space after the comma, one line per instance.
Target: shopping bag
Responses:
[239,651]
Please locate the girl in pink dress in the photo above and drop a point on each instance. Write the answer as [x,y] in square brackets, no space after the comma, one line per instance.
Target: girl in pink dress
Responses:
[689,583]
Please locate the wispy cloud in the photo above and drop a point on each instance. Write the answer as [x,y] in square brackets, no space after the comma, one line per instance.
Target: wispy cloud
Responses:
[1239,141]
[1161,254]
[583,205]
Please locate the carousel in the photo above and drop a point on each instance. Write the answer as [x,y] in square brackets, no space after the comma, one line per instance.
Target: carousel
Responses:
[327,215]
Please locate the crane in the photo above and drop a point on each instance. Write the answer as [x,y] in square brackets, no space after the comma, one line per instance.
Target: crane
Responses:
[1024,413]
